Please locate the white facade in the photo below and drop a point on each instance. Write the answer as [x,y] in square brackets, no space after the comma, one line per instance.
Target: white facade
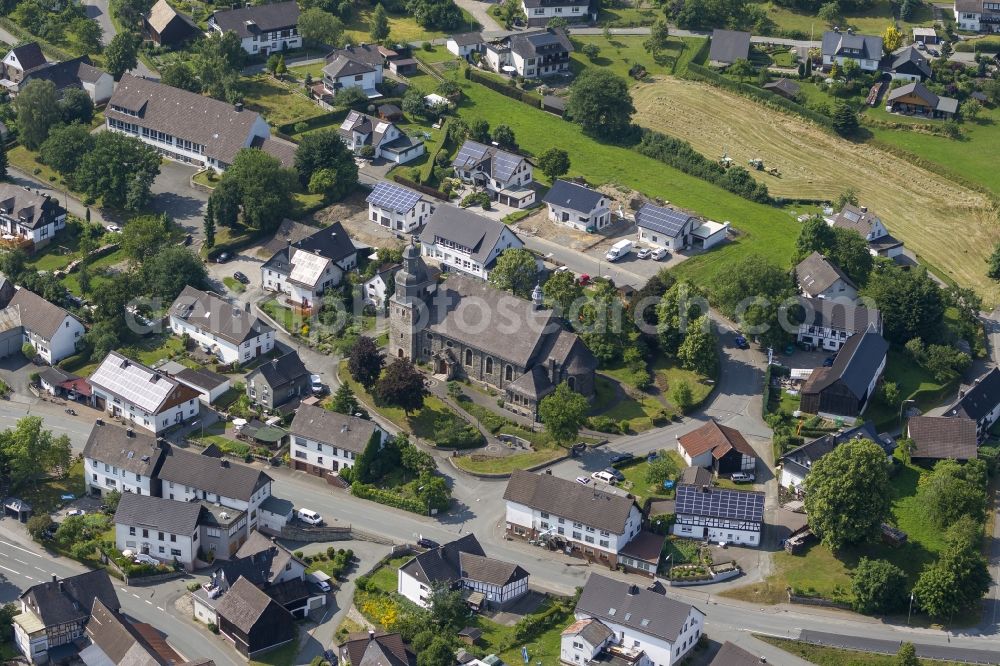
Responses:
[182,493]
[703,459]
[864,64]
[657,651]
[791,479]
[40,235]
[374,291]
[155,423]
[575,649]
[326,456]
[596,219]
[208,395]
[368,81]
[164,546]
[663,240]
[61,344]
[272,41]
[513,191]
[108,477]
[717,530]
[226,350]
[455,258]
[527,67]
[540,16]
[101,90]
[524,521]
[461,50]
[405,222]
[307,296]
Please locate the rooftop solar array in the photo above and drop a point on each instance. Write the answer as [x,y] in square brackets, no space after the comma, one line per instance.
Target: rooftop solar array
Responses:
[306,267]
[664,220]
[720,503]
[504,164]
[472,153]
[389,196]
[133,382]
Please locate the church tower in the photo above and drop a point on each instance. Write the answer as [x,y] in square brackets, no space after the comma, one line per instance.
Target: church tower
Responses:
[408,307]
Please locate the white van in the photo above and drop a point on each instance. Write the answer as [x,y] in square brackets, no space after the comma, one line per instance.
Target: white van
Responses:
[309,516]
[321,579]
[604,476]
[619,250]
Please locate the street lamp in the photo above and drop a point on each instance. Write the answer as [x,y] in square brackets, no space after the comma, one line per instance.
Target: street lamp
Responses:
[910,610]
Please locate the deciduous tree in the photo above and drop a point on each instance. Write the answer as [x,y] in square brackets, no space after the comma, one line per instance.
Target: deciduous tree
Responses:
[65,148]
[179,74]
[504,136]
[909,300]
[318,27]
[954,490]
[122,54]
[564,411]
[516,271]
[402,385]
[658,39]
[76,106]
[907,655]
[752,293]
[699,351]
[144,236]
[167,272]
[601,104]
[37,107]
[878,586]
[325,150]
[378,24]
[264,186]
[365,362]
[561,292]
[554,163]
[892,38]
[120,170]
[31,452]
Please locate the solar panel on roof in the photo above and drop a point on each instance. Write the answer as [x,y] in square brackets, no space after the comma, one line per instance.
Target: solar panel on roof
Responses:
[134,383]
[306,267]
[470,153]
[504,165]
[664,220]
[393,197]
[720,503]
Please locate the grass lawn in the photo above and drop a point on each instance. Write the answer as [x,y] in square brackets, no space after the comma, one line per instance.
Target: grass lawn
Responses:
[286,655]
[234,285]
[627,17]
[638,413]
[63,249]
[276,102]
[542,650]
[27,161]
[402,28]
[434,54]
[666,373]
[872,21]
[623,51]
[45,497]
[286,317]
[96,281]
[208,178]
[636,476]
[152,348]
[385,577]
[827,656]
[914,383]
[483,464]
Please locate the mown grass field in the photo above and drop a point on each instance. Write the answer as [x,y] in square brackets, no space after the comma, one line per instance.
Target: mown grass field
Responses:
[276,102]
[623,51]
[871,21]
[950,226]
[402,28]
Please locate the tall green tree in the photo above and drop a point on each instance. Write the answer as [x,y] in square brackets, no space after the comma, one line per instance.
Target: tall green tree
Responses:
[208,224]
[343,400]
[601,104]
[378,24]
[554,163]
[699,351]
[954,490]
[65,148]
[564,411]
[318,27]
[325,150]
[179,74]
[993,261]
[402,385]
[167,272]
[122,54]
[120,170]
[602,324]
[910,302]
[676,313]
[878,586]
[562,292]
[76,106]
[752,292]
[845,119]
[658,40]
[955,583]
[365,362]
[264,186]
[31,452]
[516,271]
[37,107]
[847,494]
[144,236]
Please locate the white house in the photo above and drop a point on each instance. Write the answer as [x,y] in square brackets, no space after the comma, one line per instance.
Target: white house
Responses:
[909,64]
[325,442]
[491,583]
[719,515]
[30,214]
[663,227]
[187,476]
[385,138]
[977,15]
[709,234]
[827,323]
[358,66]
[865,50]
[532,54]
[592,523]
[506,176]
[21,60]
[141,396]
[51,330]
[376,289]
[464,44]
[980,402]
[398,208]
[262,29]
[632,624]
[870,227]
[227,329]
[161,528]
[308,267]
[122,459]
[463,241]
[818,277]
[577,206]
[795,464]
[540,12]
[162,116]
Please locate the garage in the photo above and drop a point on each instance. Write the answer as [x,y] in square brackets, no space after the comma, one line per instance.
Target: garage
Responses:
[709,234]
[11,333]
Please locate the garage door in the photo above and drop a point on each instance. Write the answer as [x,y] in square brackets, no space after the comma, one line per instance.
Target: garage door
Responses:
[10,344]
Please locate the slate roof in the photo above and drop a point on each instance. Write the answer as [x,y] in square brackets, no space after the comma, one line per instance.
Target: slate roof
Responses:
[573,196]
[29,56]
[646,546]
[28,207]
[541,43]
[855,365]
[280,371]
[365,53]
[944,104]
[212,475]
[571,500]
[865,47]
[37,314]
[146,388]
[158,513]
[339,430]
[343,65]
[137,453]
[463,558]
[382,650]
[67,74]
[535,383]
[243,604]
[734,655]
[816,274]
[277,147]
[216,125]
[980,399]
[213,314]
[641,610]
[488,570]
[728,46]
[718,439]
[910,55]
[259,559]
[787,86]
[660,219]
[499,164]
[202,378]
[274,16]
[593,631]
[840,314]
[70,599]
[694,475]
[466,38]
[939,437]
[802,458]
[477,233]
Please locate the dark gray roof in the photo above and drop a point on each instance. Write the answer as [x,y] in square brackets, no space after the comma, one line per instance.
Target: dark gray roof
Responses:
[276,505]
[280,371]
[855,365]
[70,599]
[366,53]
[158,513]
[259,560]
[980,399]
[441,564]
[201,378]
[534,383]
[802,458]
[338,430]
[488,570]
[499,164]
[117,641]
[669,221]
[186,115]
[212,475]
[938,437]
[37,314]
[67,74]
[211,313]
[914,88]
[390,196]
[477,233]
[573,196]
[726,503]
[734,655]
[865,47]
[137,453]
[568,499]
[244,604]
[54,376]
[698,476]
[911,55]
[627,604]
[277,147]
[841,314]
[332,242]
[859,219]
[29,56]
[343,65]
[728,46]
[540,44]
[784,85]
[589,629]
[28,207]
[380,650]
[264,18]
[466,38]
[816,274]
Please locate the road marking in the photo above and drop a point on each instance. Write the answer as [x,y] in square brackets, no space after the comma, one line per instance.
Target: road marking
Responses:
[160,609]
[135,595]
[21,562]
[40,569]
[10,570]
[29,578]
[148,602]
[23,550]
[123,590]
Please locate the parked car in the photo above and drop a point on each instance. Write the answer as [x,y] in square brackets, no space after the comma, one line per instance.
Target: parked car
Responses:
[621,457]
[424,542]
[578,448]
[615,473]
[583,479]
[321,579]
[742,477]
[113,229]
[741,342]
[76,512]
[309,517]
[828,361]
[643,253]
[222,258]
[241,277]
[933,52]
[658,254]
[188,239]
[317,385]
[604,476]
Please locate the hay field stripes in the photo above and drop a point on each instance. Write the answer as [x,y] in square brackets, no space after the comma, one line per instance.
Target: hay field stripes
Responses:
[952,227]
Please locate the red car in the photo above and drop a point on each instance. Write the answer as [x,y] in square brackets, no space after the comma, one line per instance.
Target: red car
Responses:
[584,279]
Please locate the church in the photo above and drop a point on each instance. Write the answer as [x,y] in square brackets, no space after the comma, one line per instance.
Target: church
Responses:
[465,328]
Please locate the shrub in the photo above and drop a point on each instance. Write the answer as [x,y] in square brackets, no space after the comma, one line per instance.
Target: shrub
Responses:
[387,497]
[213,627]
[193,587]
[604,424]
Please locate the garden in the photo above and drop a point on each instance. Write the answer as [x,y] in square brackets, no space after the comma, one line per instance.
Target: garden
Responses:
[646,477]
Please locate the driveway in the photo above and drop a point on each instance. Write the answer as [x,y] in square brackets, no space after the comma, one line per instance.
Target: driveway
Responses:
[478,11]
[99,11]
[173,195]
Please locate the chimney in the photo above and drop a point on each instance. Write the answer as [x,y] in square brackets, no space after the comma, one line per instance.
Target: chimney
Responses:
[864,209]
[55,579]
[763,660]
[704,489]
[836,29]
[371,634]
[238,106]
[344,428]
[850,31]
[553,371]
[62,588]
[549,471]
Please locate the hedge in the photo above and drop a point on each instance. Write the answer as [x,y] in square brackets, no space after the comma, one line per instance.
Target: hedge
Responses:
[426,189]
[387,497]
[531,99]
[313,122]
[699,73]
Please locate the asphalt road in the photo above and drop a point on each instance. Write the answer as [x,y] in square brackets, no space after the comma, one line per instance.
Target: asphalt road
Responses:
[99,11]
